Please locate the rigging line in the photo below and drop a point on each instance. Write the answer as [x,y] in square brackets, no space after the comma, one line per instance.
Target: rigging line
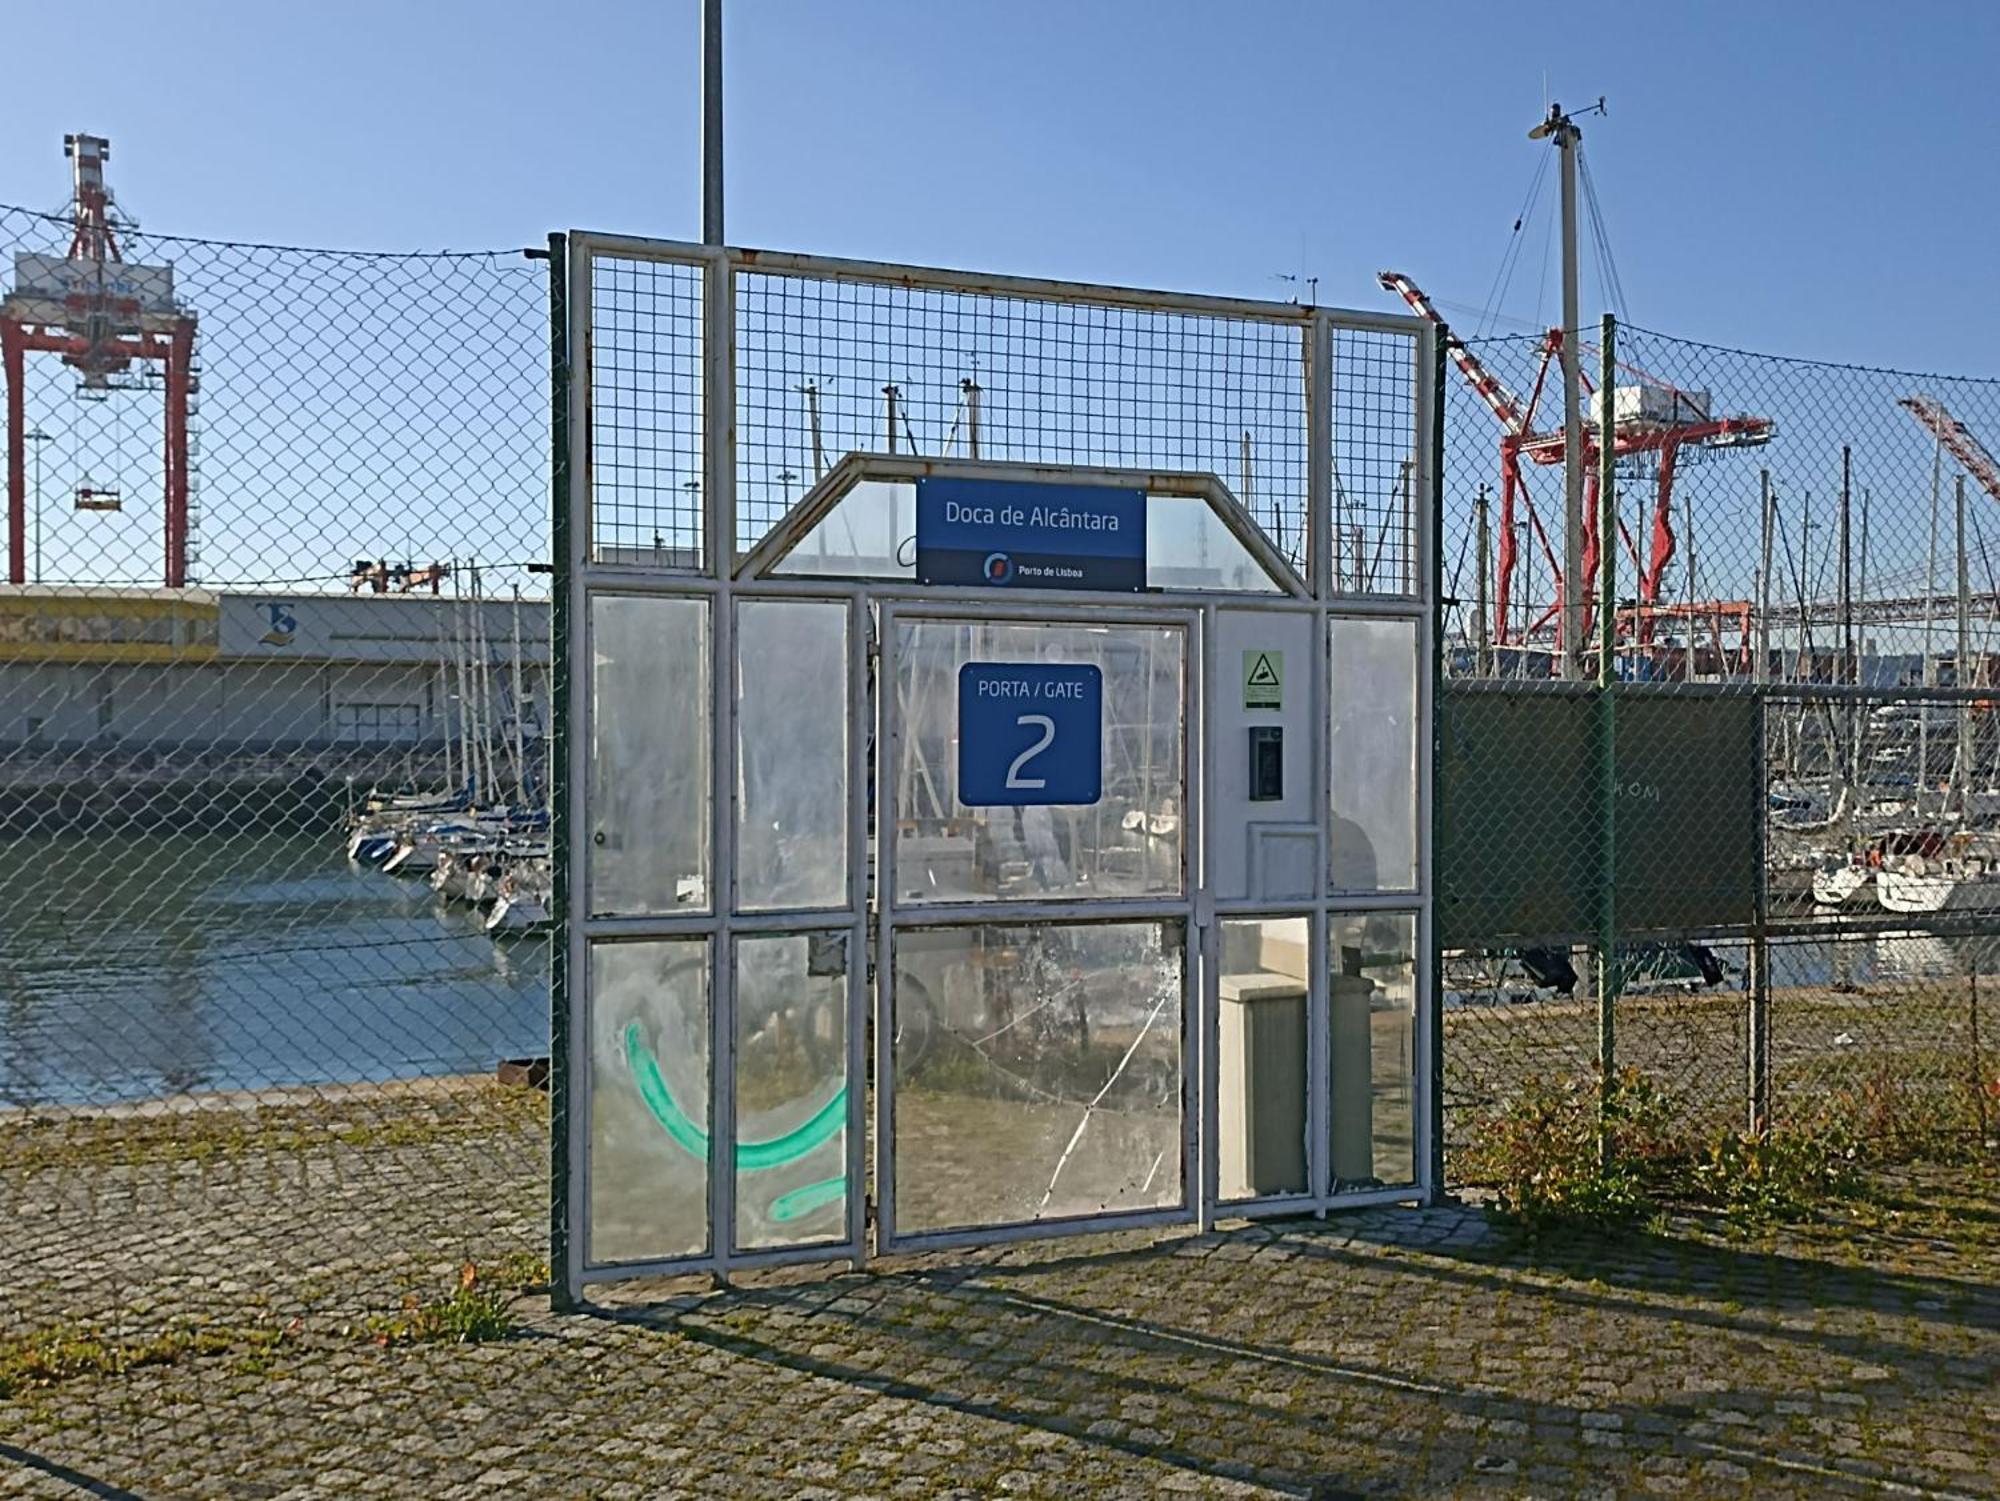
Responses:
[1503,275]
[1458,568]
[1608,263]
[1542,285]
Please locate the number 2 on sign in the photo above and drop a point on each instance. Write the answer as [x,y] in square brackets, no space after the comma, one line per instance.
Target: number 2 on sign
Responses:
[1048,729]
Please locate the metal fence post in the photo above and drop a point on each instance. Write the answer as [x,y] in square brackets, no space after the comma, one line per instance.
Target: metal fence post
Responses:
[558,772]
[1607,727]
[1760,944]
[1436,1061]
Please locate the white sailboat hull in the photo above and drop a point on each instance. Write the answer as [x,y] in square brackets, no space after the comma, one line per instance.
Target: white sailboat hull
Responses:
[1937,891]
[1842,885]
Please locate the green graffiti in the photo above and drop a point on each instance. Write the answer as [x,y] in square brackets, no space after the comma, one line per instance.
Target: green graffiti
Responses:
[803,1201]
[751,1156]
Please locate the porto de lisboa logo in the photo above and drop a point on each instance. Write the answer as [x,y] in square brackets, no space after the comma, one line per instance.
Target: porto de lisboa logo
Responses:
[998,568]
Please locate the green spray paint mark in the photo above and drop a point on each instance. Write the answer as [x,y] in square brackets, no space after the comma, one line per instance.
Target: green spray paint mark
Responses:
[803,1201]
[751,1156]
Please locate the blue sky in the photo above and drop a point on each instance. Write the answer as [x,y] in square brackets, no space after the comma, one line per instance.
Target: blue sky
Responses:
[1806,178]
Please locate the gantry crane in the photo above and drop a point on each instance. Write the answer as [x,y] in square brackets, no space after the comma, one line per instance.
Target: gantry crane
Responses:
[1649,416]
[100,313]
[1957,439]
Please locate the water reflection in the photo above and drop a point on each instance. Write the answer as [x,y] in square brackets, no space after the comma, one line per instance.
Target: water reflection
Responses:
[150,964]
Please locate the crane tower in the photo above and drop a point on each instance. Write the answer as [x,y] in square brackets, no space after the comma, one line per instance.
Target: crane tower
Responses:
[100,314]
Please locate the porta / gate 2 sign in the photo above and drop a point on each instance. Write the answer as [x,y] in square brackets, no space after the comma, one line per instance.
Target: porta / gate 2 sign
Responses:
[1029,734]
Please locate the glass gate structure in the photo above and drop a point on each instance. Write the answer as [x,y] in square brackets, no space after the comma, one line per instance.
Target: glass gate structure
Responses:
[996,759]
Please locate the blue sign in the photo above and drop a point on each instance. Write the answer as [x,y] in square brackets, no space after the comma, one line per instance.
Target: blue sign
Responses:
[1007,533]
[1029,733]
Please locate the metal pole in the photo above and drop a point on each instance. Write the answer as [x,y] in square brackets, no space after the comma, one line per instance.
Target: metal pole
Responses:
[1961,769]
[811,392]
[1847,662]
[1851,768]
[1689,670]
[1930,614]
[1607,731]
[1760,943]
[711,122]
[562,1294]
[1482,660]
[1567,136]
[37,437]
[1761,671]
[971,389]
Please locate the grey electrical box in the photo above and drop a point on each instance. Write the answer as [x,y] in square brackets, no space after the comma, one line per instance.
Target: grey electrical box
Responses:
[1267,763]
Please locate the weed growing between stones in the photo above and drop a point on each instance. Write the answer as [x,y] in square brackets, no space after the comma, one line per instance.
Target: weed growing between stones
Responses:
[469,1314]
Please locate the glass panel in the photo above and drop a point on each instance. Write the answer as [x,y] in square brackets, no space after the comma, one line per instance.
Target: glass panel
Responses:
[871,532]
[1127,843]
[1261,1057]
[1038,1072]
[792,749]
[1189,547]
[649,738]
[1373,1004]
[648,1099]
[791,1089]
[1372,665]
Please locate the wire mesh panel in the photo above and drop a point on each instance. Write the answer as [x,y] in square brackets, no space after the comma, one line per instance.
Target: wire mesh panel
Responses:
[273,851]
[646,409]
[1377,485]
[826,367]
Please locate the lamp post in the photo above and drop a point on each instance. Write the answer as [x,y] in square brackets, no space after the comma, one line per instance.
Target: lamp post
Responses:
[37,437]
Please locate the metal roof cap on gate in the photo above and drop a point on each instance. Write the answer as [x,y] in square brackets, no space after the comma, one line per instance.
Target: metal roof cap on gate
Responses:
[855,468]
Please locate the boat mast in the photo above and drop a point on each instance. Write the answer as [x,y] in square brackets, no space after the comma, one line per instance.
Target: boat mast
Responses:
[1961,765]
[520,750]
[1560,128]
[444,698]
[1930,616]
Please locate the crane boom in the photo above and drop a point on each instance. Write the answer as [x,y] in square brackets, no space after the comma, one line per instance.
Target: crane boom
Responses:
[1957,439]
[1504,403]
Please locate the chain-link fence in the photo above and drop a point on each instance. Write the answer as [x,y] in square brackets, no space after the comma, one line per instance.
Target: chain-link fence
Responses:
[1764,781]
[275,687]
[274,692]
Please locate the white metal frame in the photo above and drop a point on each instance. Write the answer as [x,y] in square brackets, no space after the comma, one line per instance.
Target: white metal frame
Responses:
[728,577]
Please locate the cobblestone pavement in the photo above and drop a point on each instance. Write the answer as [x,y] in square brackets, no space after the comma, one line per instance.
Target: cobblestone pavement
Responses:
[1385,1353]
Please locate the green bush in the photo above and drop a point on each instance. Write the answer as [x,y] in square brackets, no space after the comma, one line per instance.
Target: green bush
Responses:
[1542,1153]
[1777,1175]
[1556,1156]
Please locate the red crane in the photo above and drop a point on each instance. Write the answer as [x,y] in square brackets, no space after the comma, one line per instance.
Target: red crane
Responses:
[1957,439]
[99,313]
[1649,416]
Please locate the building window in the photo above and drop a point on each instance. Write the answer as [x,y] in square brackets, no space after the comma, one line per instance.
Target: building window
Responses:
[377,724]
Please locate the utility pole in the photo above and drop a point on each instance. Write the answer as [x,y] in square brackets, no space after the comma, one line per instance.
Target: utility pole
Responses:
[37,437]
[711,122]
[1482,657]
[1560,128]
[889,394]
